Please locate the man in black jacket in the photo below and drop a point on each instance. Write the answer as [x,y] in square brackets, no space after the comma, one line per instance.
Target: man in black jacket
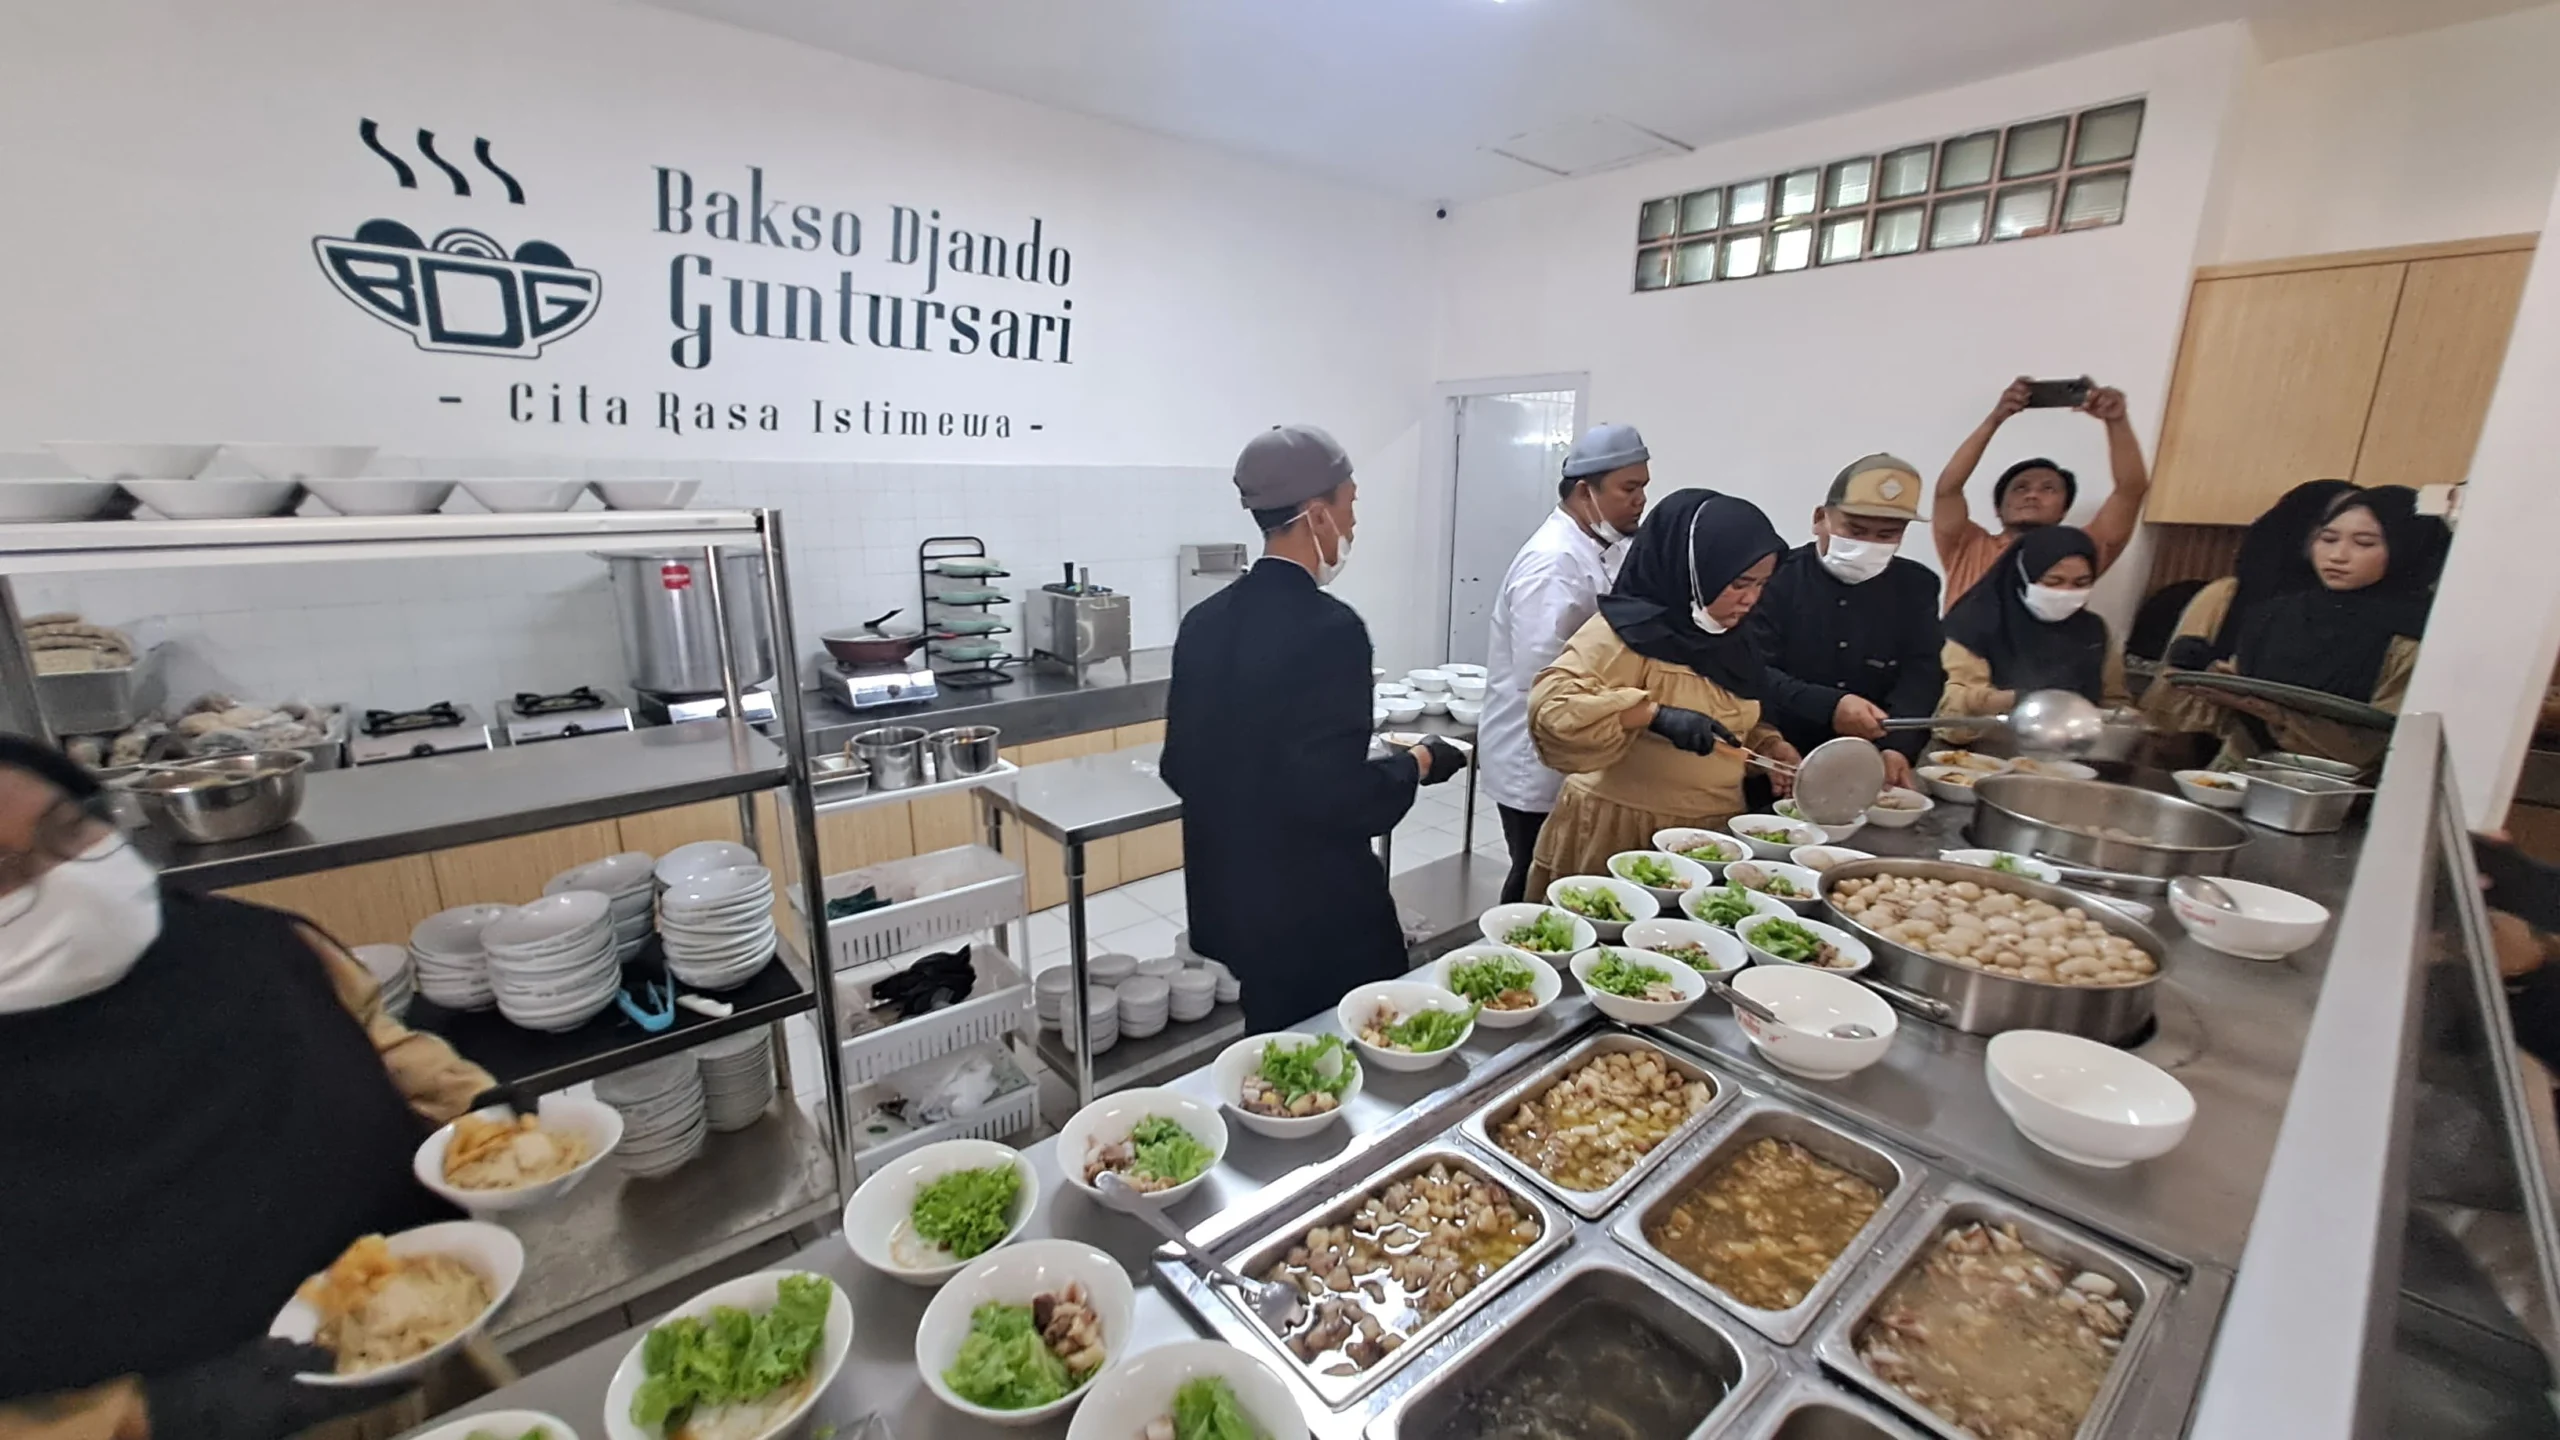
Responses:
[1849,630]
[1267,734]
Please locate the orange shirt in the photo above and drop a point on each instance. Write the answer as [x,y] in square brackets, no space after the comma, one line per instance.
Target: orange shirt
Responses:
[1977,550]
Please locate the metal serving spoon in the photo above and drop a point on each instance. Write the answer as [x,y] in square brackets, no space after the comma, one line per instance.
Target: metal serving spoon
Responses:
[2197,890]
[1277,1304]
[2064,722]
[1845,1030]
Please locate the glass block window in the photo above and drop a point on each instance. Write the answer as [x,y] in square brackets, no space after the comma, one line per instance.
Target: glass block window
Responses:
[2044,176]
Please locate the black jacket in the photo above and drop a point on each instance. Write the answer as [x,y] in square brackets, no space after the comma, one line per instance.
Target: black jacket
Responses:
[1820,639]
[1267,741]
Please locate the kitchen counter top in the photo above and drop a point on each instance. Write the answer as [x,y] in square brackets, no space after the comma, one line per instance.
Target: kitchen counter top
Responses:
[1039,704]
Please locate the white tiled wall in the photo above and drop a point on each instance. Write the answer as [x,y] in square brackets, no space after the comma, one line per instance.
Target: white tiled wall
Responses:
[404,633]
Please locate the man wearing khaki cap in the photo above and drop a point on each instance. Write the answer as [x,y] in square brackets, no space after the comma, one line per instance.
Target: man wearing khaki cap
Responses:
[1266,740]
[1847,630]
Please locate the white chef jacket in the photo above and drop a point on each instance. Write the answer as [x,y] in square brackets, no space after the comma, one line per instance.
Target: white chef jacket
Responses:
[1553,586]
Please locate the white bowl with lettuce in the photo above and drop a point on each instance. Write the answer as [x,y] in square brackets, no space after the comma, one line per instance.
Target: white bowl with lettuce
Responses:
[1637,987]
[1609,903]
[1423,1024]
[1713,849]
[1798,887]
[692,1389]
[1795,940]
[503,1425]
[1317,1073]
[1665,876]
[1514,987]
[1728,905]
[1707,949]
[931,1211]
[1174,1140]
[1204,1388]
[1537,929]
[980,1352]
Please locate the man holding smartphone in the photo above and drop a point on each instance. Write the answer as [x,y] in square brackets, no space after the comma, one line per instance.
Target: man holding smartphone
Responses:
[2038,492]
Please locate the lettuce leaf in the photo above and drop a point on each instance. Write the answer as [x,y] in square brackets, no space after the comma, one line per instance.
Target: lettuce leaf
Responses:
[730,1355]
[1207,1409]
[1003,1364]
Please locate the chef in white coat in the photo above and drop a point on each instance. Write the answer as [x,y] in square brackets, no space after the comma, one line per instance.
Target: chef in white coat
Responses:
[1553,586]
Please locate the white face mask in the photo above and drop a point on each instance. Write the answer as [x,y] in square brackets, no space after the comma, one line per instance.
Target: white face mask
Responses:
[90,920]
[1599,528]
[2055,602]
[1707,622]
[1697,604]
[1327,571]
[1855,561]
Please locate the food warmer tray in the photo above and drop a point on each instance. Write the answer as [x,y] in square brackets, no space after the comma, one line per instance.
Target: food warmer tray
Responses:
[1898,1175]
[1957,1204]
[1592,1204]
[1812,1408]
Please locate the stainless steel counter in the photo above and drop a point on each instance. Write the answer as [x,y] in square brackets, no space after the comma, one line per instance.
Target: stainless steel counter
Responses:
[1039,704]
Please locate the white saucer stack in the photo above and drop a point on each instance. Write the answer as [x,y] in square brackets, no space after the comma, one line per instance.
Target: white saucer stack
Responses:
[663,1115]
[1145,1004]
[552,963]
[625,880]
[1049,992]
[452,969]
[718,926]
[1230,990]
[1101,1018]
[1162,967]
[395,976]
[1195,994]
[737,1079]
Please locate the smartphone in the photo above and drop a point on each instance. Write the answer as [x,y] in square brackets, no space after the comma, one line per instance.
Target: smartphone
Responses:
[2057,394]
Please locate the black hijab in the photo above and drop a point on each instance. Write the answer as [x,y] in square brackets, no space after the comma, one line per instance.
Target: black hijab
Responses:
[2336,640]
[2275,556]
[1691,546]
[1992,620]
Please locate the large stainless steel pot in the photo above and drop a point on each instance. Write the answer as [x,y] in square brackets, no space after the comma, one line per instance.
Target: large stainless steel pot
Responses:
[662,603]
[1979,1002]
[2106,827]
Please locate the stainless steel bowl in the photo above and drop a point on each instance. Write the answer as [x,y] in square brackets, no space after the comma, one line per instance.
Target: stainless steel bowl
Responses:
[229,797]
[962,750]
[2103,826]
[895,754]
[838,776]
[2299,801]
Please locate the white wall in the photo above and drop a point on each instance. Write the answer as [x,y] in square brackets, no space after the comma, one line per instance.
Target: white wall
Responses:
[170,291]
[1765,387]
[2441,135]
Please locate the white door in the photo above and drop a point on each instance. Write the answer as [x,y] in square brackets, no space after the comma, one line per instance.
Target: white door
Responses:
[1510,456]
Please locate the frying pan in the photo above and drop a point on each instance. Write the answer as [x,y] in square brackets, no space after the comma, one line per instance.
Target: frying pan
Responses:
[870,645]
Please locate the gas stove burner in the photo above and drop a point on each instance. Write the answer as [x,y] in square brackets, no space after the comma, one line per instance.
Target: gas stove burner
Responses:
[585,697]
[443,714]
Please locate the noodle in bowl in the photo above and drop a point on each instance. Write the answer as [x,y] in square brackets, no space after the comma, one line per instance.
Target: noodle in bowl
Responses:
[388,1309]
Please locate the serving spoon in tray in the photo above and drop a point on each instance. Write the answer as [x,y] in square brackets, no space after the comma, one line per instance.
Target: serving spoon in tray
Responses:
[1276,1304]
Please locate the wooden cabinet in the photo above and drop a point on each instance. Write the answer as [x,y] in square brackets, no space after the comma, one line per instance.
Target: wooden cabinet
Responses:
[374,904]
[2375,366]
[1043,860]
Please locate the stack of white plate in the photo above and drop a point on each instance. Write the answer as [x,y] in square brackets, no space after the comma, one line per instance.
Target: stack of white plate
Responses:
[452,969]
[1101,1018]
[737,1079]
[1162,967]
[701,857]
[552,963]
[663,1116]
[1230,990]
[1049,991]
[1145,1004]
[1194,995]
[627,881]
[395,979]
[1110,967]
[718,926]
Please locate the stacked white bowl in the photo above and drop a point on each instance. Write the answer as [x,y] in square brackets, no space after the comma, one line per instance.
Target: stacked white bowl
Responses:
[737,1079]
[444,949]
[1146,1003]
[718,926]
[1230,989]
[663,1115]
[1049,993]
[625,880]
[552,963]
[1194,995]
[1162,967]
[1101,1018]
[701,857]
[1110,967]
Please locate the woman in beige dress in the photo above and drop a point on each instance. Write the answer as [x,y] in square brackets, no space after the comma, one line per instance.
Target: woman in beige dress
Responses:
[1642,711]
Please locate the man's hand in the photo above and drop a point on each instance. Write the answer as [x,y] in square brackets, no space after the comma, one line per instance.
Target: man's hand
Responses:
[1783,782]
[1856,715]
[2106,403]
[1439,760]
[1897,769]
[2012,400]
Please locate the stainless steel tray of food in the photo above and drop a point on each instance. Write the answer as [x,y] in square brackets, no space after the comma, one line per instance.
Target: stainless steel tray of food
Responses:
[1808,1407]
[1594,1345]
[1281,1249]
[1486,1126]
[1660,1219]
[2080,1282]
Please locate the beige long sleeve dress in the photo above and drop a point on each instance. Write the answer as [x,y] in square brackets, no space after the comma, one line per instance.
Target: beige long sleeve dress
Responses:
[1622,785]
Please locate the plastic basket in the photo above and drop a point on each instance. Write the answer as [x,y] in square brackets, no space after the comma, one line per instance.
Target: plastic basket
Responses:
[1009,1114]
[998,1005]
[936,897]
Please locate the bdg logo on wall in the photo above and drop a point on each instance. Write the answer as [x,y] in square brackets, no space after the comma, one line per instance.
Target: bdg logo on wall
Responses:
[464,292]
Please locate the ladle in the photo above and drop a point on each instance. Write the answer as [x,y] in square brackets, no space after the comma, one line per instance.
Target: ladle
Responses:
[1275,1303]
[2061,722]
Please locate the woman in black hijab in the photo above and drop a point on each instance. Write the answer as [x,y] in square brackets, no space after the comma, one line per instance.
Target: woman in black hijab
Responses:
[2026,627]
[1640,711]
[2274,561]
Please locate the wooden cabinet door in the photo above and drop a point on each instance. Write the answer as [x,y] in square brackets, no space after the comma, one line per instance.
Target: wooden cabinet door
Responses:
[513,871]
[373,904]
[2447,345]
[1044,861]
[2275,378]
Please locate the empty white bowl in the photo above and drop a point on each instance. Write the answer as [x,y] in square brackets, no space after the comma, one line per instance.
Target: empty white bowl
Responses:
[1465,712]
[216,499]
[2272,923]
[1406,997]
[1548,985]
[46,501]
[1691,875]
[647,494]
[549,923]
[1727,952]
[1850,946]
[1427,681]
[1125,1401]
[455,931]
[1803,880]
[1388,689]
[1497,924]
[524,496]
[880,1213]
[118,462]
[2027,866]
[1902,816]
[1680,840]
[492,1250]
[1228,1072]
[754,1294]
[306,463]
[1798,832]
[1109,1120]
[701,857]
[1628,1009]
[2086,1102]
[2228,791]
[1402,709]
[1017,1275]
[1455,668]
[614,875]
[1809,1003]
[1435,702]
[1636,900]
[1465,687]
[593,1121]
[385,496]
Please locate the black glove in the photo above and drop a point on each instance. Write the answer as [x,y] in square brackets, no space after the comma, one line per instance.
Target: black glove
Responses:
[1446,760]
[1689,730]
[250,1394]
[515,1097]
[2188,652]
